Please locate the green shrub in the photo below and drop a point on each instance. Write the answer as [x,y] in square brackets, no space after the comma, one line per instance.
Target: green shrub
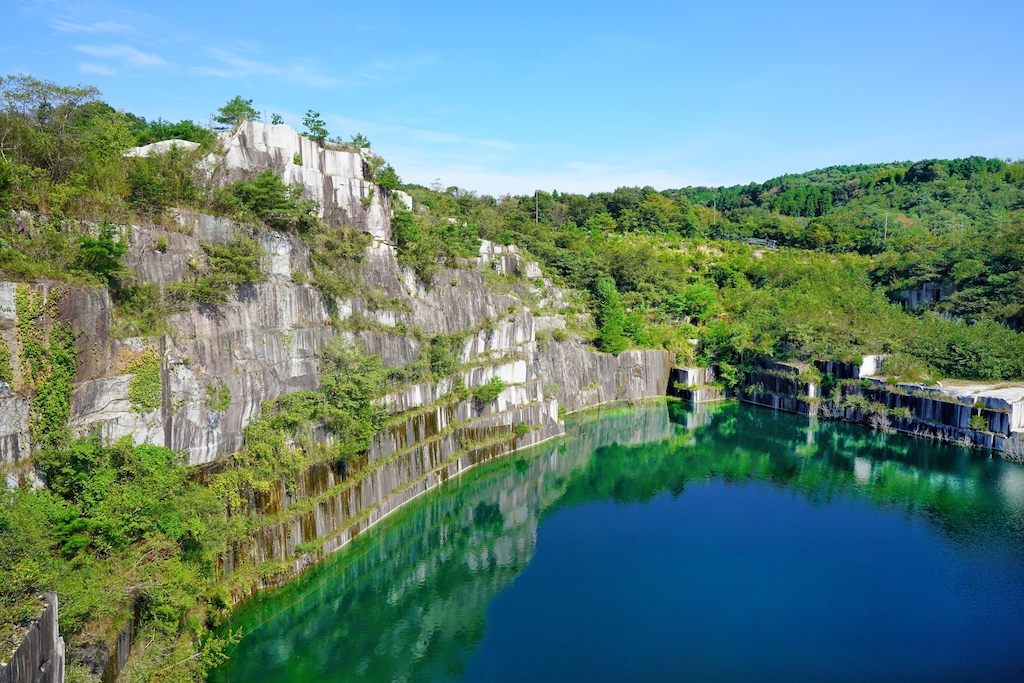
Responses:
[487,393]
[6,371]
[160,181]
[218,396]
[139,310]
[335,254]
[145,390]
[521,430]
[227,267]
[159,130]
[443,353]
[978,422]
[266,198]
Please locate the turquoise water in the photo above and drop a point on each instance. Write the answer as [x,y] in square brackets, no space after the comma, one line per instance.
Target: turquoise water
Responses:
[663,544]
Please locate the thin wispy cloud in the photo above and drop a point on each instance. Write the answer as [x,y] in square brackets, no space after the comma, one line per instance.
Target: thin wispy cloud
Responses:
[419,135]
[96,69]
[65,26]
[130,55]
[233,65]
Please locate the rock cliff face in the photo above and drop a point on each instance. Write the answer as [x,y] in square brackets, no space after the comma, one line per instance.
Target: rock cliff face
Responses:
[979,414]
[40,656]
[265,342]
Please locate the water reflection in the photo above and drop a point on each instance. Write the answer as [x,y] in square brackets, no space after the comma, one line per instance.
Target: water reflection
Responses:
[408,600]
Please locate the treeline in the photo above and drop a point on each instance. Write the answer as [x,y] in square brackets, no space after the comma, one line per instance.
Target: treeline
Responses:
[663,280]
[956,224]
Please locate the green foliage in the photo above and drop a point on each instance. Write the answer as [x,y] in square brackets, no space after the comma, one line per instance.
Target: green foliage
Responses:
[145,390]
[487,393]
[521,429]
[266,198]
[359,141]
[161,181]
[130,520]
[281,442]
[696,301]
[425,243]
[388,178]
[978,422]
[40,123]
[234,112]
[52,362]
[611,319]
[159,130]
[102,255]
[443,354]
[316,129]
[218,396]
[227,267]
[6,371]
[276,119]
[335,253]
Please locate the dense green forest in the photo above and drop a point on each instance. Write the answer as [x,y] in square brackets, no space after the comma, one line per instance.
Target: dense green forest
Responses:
[665,267]
[121,527]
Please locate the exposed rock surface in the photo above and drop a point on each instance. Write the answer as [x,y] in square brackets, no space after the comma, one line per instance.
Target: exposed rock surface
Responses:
[265,341]
[40,656]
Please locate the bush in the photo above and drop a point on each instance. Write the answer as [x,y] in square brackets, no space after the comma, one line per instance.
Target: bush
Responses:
[218,396]
[159,130]
[145,391]
[266,198]
[487,393]
[102,255]
[160,181]
[978,422]
[228,266]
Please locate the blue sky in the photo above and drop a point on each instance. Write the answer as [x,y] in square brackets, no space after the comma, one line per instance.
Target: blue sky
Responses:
[571,96]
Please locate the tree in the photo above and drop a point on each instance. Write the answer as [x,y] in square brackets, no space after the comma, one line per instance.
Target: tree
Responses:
[276,119]
[102,255]
[612,318]
[359,141]
[38,122]
[234,112]
[315,127]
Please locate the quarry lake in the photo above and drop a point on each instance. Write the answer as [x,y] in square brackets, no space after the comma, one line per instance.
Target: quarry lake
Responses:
[666,542]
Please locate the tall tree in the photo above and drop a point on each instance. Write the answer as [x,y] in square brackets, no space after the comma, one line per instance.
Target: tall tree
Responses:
[315,127]
[234,112]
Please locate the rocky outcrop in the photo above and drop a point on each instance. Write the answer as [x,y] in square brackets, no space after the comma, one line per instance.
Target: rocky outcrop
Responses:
[336,179]
[979,414]
[40,655]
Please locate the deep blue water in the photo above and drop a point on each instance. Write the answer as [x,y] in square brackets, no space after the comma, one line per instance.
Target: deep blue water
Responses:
[661,545]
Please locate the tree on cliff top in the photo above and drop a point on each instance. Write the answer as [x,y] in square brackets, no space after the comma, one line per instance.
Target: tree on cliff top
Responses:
[315,127]
[234,112]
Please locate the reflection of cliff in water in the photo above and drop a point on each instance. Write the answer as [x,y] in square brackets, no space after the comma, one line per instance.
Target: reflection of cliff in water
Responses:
[409,600]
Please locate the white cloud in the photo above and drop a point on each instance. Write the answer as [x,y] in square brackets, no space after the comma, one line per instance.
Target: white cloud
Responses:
[129,54]
[237,66]
[65,26]
[97,69]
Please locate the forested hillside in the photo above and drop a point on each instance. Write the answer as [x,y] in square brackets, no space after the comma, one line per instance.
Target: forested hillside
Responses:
[853,240]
